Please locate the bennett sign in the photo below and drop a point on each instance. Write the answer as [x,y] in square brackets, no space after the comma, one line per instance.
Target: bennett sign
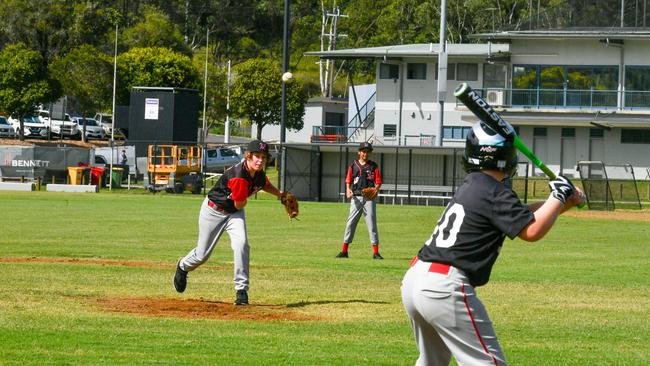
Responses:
[30,163]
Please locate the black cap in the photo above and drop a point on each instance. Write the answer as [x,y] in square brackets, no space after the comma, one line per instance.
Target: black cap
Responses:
[258,146]
[365,146]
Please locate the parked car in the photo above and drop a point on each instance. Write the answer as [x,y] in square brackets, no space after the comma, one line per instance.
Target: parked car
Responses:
[5,128]
[65,127]
[105,121]
[33,126]
[92,128]
[217,159]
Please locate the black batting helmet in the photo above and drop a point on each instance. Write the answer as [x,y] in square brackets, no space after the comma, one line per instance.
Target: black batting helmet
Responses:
[486,149]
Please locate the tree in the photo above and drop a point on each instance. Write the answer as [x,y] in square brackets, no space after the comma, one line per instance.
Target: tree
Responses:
[87,74]
[154,66]
[155,30]
[257,95]
[24,82]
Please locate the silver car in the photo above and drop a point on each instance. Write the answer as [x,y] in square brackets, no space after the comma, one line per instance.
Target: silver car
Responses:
[6,130]
[93,129]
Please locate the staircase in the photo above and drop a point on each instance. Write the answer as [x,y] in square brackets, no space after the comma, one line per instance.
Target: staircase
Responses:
[358,125]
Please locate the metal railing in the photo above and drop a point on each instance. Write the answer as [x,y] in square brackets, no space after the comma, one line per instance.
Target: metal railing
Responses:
[564,98]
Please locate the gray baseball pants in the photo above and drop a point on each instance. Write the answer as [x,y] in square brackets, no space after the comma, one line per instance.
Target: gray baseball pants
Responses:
[360,206]
[212,224]
[448,318]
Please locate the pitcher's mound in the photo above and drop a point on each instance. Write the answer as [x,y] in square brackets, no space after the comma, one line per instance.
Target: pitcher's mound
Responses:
[201,309]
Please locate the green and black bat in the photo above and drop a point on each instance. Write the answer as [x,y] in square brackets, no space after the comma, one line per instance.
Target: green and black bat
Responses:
[481,109]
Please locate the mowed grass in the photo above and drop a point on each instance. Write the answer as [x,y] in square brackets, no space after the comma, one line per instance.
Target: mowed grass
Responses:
[581,296]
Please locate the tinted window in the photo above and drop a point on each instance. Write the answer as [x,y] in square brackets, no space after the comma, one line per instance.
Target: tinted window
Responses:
[228,152]
[416,71]
[388,71]
[3,121]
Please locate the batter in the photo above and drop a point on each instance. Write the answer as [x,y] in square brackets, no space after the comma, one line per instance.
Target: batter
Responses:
[438,291]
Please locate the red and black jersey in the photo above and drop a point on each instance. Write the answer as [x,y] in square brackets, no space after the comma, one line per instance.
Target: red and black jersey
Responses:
[236,184]
[471,231]
[363,176]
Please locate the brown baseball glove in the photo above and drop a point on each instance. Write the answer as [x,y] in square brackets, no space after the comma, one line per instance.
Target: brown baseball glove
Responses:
[369,193]
[290,203]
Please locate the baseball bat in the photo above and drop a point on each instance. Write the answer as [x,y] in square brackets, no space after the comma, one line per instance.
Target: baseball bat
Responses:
[481,109]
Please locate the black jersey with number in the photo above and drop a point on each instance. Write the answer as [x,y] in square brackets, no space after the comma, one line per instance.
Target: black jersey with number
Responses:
[236,184]
[471,231]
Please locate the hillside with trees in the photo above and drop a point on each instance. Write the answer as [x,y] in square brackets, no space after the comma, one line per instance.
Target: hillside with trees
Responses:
[163,42]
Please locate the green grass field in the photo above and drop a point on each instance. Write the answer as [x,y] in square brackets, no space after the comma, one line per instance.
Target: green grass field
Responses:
[86,280]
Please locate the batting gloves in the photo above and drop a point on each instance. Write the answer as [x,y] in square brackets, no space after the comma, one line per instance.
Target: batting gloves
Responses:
[561,188]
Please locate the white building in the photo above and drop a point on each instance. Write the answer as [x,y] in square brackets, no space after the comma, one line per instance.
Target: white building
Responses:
[577,94]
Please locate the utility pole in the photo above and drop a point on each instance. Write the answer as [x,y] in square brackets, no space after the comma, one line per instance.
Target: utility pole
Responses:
[326,68]
[110,178]
[442,71]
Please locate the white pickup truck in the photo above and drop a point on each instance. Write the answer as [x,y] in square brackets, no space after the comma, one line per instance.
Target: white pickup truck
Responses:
[66,127]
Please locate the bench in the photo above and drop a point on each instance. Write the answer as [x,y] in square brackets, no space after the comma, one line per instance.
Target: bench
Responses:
[426,193]
[439,194]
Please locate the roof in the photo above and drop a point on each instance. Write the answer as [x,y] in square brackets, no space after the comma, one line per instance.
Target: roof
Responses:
[569,33]
[415,50]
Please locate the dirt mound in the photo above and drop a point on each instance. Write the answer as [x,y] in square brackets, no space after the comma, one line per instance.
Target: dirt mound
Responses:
[631,215]
[200,309]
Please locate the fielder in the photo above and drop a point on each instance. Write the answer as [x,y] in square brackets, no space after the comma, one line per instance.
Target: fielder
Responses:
[223,210]
[445,313]
[362,183]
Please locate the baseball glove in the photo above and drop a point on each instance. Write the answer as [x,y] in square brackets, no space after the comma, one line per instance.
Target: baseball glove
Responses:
[290,203]
[369,193]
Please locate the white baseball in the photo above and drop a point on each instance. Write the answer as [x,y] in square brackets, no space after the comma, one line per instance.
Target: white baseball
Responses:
[287,76]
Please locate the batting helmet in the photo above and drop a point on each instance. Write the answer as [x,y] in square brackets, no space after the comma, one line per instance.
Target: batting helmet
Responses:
[486,149]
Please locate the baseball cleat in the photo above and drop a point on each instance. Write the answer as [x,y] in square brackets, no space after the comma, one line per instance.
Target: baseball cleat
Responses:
[242,297]
[342,255]
[180,278]
[377,256]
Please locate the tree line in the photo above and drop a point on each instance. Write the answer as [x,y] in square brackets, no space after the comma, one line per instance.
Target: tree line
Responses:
[51,48]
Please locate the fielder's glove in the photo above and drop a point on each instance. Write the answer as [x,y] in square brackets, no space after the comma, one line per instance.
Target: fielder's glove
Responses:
[290,203]
[561,188]
[369,193]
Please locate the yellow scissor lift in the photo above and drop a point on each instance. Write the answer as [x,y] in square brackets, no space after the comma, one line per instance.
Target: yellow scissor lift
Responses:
[174,168]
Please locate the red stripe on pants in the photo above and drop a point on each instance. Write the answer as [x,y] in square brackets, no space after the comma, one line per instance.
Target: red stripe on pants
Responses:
[478,335]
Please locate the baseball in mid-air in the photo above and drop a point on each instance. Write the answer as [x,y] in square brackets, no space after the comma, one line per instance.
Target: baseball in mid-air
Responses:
[287,76]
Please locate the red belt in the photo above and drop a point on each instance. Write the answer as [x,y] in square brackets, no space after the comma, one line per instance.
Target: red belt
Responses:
[435,267]
[215,207]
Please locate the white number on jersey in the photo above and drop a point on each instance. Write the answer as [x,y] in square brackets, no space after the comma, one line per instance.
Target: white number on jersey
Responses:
[450,223]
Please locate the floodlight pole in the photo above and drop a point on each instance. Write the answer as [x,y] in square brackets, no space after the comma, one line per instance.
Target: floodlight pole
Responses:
[283,116]
[204,132]
[110,178]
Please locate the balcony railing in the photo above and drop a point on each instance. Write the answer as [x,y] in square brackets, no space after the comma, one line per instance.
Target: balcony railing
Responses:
[564,98]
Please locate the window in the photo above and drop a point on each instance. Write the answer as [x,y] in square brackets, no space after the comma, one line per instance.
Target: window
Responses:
[390,130]
[334,119]
[451,71]
[596,132]
[635,136]
[468,72]
[494,76]
[568,132]
[416,71]
[388,71]
[539,131]
[455,132]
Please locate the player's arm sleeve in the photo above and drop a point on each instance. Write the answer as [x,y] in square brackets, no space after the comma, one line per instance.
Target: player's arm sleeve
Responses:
[509,214]
[348,177]
[378,180]
[238,189]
